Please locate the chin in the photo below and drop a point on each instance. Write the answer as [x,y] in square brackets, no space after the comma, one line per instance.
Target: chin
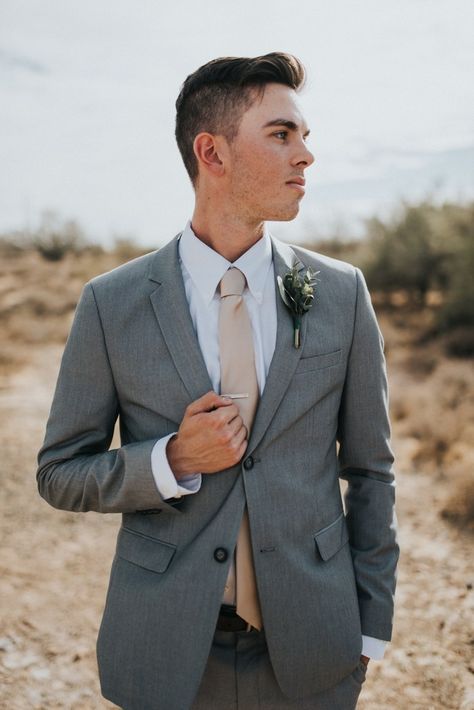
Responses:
[284,215]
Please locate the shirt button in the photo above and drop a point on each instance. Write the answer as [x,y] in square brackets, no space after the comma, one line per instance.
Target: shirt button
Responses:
[248,463]
[220,554]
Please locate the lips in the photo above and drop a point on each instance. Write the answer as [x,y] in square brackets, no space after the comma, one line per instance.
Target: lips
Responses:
[297,183]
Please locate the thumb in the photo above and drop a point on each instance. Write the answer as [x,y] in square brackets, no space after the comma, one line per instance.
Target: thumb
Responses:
[209,401]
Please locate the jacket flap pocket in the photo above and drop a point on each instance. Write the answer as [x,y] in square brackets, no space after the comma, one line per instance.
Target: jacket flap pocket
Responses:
[330,539]
[144,551]
[318,362]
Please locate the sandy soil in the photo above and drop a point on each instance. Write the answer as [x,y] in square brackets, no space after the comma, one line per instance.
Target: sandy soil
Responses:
[55,565]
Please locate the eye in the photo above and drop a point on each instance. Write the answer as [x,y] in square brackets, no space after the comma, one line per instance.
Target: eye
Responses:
[281,134]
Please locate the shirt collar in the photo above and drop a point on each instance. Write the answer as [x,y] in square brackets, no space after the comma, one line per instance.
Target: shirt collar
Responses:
[206,267]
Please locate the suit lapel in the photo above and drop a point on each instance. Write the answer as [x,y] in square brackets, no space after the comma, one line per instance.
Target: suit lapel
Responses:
[172,312]
[286,356]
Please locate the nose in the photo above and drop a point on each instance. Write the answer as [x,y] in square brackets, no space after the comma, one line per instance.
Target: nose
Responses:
[304,156]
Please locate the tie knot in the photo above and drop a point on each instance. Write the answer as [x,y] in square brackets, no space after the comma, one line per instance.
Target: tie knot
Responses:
[232,283]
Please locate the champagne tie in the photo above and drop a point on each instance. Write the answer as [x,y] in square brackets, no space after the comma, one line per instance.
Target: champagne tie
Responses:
[238,375]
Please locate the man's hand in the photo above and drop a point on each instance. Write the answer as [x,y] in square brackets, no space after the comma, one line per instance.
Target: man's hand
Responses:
[211,437]
[365,660]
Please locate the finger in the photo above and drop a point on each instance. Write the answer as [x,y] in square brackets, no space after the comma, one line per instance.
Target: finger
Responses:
[226,414]
[207,403]
[243,448]
[237,424]
[241,435]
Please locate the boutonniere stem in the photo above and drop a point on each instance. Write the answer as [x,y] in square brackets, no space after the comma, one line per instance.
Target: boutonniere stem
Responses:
[297,293]
[297,331]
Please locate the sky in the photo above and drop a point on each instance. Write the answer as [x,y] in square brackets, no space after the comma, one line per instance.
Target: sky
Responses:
[87,92]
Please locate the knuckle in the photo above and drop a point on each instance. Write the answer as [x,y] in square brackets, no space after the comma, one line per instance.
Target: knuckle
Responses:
[214,423]
[206,399]
[226,437]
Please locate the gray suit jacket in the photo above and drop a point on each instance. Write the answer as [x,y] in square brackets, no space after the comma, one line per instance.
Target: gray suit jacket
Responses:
[324,575]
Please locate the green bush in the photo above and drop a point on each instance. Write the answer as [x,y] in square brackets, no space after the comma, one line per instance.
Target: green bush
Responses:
[429,248]
[457,310]
[411,252]
[423,249]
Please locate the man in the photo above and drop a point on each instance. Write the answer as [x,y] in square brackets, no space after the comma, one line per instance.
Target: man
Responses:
[239,581]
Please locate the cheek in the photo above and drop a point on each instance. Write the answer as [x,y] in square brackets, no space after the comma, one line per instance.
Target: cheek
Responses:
[258,159]
[258,172]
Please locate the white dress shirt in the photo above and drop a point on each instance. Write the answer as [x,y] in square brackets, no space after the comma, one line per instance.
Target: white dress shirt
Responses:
[202,270]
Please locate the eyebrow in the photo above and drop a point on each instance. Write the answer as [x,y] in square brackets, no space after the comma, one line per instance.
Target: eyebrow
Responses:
[291,125]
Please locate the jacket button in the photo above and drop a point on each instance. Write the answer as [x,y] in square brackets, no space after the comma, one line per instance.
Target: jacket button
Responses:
[220,554]
[248,463]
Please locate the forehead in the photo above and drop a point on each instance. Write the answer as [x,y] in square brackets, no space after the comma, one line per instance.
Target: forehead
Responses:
[277,101]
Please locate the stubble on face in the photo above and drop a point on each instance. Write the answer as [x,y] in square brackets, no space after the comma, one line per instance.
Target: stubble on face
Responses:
[261,163]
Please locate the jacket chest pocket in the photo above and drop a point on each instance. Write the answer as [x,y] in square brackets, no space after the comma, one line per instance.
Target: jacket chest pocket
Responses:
[319,362]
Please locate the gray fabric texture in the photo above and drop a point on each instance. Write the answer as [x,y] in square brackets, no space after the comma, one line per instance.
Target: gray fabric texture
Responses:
[324,577]
[239,676]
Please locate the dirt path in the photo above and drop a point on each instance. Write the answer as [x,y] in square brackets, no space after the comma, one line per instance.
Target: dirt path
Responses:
[54,572]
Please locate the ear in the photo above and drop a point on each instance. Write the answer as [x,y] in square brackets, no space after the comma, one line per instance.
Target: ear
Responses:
[207,149]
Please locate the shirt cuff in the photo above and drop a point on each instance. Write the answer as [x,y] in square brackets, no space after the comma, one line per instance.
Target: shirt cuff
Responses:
[373,648]
[165,481]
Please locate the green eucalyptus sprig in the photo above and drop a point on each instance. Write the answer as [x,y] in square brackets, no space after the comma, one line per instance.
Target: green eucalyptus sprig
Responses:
[297,293]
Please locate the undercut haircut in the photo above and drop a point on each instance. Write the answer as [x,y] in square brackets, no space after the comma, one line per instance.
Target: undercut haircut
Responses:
[214,98]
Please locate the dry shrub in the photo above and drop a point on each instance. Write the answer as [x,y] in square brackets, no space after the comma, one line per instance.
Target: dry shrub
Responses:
[432,404]
[460,342]
[420,364]
[459,507]
[436,439]
[125,248]
[432,407]
[38,298]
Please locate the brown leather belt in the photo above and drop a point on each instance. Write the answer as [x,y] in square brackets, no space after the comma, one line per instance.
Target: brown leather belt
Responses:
[229,620]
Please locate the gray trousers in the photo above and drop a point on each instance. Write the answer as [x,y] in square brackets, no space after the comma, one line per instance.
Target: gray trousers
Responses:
[239,676]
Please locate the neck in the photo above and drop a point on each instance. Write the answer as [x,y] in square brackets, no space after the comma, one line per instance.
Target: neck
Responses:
[228,235]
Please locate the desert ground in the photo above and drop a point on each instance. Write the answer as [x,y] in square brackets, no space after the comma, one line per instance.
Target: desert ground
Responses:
[55,564]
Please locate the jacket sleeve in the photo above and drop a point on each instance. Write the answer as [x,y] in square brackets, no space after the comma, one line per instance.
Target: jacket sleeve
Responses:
[76,471]
[365,462]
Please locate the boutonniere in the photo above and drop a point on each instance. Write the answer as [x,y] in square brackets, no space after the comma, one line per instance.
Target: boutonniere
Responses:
[298,295]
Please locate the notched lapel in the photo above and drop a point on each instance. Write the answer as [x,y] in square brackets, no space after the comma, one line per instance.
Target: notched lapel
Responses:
[172,313]
[286,356]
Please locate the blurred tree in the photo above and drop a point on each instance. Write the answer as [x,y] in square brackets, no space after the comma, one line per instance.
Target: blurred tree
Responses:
[126,248]
[423,250]
[457,307]
[407,253]
[55,238]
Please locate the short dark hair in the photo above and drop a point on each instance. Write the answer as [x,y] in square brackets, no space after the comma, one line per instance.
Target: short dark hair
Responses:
[215,96]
